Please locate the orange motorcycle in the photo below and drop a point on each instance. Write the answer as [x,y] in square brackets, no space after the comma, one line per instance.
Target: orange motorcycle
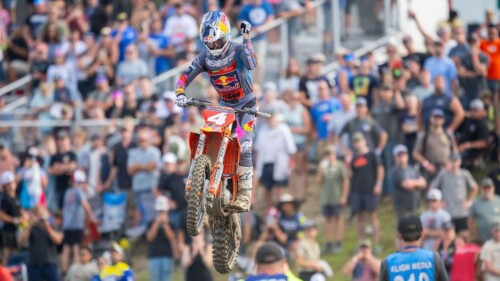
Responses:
[213,182]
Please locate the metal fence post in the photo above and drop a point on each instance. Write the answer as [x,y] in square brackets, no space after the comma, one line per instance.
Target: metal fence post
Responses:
[335,6]
[284,45]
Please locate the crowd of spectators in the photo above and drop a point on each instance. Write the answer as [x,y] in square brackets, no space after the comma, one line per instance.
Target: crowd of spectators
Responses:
[408,131]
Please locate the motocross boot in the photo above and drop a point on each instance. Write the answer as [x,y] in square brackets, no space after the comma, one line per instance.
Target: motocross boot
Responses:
[244,195]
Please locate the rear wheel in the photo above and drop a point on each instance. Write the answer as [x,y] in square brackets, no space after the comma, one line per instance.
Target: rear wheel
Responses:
[199,185]
[227,237]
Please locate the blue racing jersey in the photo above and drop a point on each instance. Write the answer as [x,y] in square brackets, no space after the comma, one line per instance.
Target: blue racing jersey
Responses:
[229,73]
[418,265]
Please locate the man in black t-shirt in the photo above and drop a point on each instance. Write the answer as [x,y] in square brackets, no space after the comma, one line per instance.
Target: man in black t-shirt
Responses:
[366,185]
[365,83]
[119,160]
[42,251]
[34,22]
[308,85]
[172,184]
[473,139]
[10,214]
[62,166]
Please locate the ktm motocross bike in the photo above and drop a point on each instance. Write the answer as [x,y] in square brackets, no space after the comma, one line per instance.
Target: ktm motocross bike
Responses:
[213,181]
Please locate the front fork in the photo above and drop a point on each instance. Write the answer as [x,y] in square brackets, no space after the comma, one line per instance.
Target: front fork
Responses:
[216,173]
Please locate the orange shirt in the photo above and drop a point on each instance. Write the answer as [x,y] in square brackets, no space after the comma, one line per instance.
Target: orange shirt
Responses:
[492,49]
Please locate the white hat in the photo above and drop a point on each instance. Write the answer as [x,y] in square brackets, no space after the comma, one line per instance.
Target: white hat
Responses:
[79,176]
[161,203]
[7,177]
[434,194]
[169,158]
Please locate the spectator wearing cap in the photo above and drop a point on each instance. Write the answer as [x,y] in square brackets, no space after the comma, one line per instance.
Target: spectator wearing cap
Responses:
[333,178]
[123,34]
[62,165]
[387,112]
[340,118]
[270,262]
[34,21]
[345,73]
[275,145]
[133,67]
[74,210]
[286,229]
[363,265]
[62,70]
[197,259]
[450,106]
[399,264]
[411,53]
[365,84]
[407,182]
[474,133]
[491,46]
[307,254]
[33,179]
[366,185]
[85,269]
[162,243]
[484,212]
[425,88]
[433,219]
[142,165]
[308,84]
[62,94]
[434,146]
[372,132]
[172,184]
[101,96]
[322,112]
[455,183]
[118,269]
[447,244]
[11,214]
[489,259]
[43,240]
[472,70]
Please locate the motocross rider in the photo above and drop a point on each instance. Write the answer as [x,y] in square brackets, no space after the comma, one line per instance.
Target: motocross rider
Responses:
[228,64]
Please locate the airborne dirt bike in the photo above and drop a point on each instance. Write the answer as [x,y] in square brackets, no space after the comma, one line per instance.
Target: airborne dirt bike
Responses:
[213,181]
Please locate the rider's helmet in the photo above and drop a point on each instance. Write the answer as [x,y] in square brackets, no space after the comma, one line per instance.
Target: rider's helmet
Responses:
[215,32]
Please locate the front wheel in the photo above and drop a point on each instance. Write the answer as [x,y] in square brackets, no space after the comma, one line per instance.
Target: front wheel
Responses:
[199,184]
[227,238]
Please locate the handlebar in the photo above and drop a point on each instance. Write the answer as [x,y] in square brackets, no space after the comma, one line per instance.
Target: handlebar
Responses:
[246,110]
